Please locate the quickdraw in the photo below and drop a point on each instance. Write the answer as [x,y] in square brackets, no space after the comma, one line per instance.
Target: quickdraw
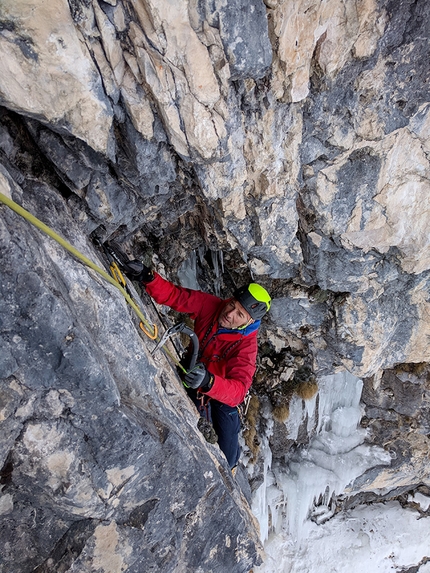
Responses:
[148,334]
[116,272]
[243,407]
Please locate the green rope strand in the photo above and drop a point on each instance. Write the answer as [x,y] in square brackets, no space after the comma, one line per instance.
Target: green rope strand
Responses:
[48,231]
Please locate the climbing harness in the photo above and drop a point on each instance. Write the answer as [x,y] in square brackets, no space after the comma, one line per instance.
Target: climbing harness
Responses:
[114,280]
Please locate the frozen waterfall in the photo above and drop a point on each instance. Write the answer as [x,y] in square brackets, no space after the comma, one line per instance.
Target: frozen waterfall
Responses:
[302,487]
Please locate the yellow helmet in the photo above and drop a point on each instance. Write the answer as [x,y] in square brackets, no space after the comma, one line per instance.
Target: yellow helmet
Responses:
[255,299]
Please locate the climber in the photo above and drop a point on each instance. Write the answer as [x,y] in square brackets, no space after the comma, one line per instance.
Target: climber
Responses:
[227,333]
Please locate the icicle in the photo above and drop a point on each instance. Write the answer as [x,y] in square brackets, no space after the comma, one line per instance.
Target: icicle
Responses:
[262,501]
[260,505]
[295,418]
[201,251]
[333,459]
[187,272]
[221,260]
[310,406]
[215,264]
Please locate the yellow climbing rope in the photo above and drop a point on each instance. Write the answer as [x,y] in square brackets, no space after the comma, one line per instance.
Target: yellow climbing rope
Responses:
[150,330]
[119,277]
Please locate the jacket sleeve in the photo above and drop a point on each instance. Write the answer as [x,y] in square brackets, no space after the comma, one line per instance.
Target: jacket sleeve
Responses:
[179,298]
[231,389]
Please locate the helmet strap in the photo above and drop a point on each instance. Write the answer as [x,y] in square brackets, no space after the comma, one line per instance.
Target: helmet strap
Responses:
[250,321]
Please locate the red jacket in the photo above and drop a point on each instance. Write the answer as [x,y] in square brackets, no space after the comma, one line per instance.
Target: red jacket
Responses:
[229,356]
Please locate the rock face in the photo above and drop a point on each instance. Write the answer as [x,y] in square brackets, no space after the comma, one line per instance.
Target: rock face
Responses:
[287,141]
[102,464]
[45,50]
[397,414]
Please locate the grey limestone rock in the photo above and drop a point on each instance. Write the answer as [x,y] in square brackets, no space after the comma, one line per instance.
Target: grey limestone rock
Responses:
[244,33]
[292,144]
[101,458]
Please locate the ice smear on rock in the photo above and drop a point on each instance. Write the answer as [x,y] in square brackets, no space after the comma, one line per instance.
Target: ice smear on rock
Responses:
[187,272]
[335,456]
[262,498]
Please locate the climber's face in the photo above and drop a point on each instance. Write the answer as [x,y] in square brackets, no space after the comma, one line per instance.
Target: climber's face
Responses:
[233,315]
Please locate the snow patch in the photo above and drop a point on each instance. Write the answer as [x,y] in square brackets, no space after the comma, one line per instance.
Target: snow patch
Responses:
[380,538]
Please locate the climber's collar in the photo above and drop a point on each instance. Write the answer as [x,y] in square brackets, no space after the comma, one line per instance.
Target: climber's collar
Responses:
[244,331]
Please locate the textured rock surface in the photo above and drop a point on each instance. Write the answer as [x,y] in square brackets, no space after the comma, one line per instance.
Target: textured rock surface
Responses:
[288,141]
[397,415]
[102,465]
[45,50]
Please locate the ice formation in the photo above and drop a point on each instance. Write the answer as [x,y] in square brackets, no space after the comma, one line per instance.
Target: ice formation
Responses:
[187,272]
[376,538]
[218,268]
[302,487]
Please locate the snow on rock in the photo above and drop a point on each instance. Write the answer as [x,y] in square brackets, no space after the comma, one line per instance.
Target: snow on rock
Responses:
[422,500]
[380,538]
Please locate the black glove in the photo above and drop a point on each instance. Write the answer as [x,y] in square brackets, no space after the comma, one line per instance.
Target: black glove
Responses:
[137,271]
[199,377]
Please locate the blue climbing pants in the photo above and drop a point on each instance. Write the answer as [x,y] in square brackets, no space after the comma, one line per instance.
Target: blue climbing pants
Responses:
[226,422]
